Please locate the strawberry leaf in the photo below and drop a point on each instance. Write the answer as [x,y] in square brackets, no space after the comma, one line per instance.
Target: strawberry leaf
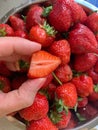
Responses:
[1,85]
[80,98]
[96,88]
[2,32]
[46,11]
[23,64]
[49,30]
[80,117]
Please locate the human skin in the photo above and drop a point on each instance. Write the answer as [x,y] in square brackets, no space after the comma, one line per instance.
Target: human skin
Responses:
[11,50]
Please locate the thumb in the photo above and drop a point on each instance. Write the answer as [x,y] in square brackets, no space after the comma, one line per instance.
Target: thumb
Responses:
[29,89]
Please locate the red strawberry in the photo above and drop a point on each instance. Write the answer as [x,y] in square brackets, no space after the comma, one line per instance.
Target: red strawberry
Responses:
[21,33]
[17,81]
[67,92]
[96,67]
[45,34]
[82,40]
[4,84]
[92,22]
[88,112]
[42,124]
[42,64]
[82,102]
[17,23]
[84,85]
[64,73]
[34,16]
[6,30]
[60,17]
[37,110]
[65,119]
[4,70]
[84,62]
[94,95]
[61,49]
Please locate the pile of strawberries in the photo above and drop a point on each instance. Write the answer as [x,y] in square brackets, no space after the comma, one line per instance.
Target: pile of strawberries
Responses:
[69,58]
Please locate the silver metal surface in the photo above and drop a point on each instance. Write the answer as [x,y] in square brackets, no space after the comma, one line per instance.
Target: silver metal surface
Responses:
[94,122]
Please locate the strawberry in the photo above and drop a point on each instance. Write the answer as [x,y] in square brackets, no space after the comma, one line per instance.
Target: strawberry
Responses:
[82,40]
[17,81]
[64,73]
[45,34]
[4,70]
[92,22]
[6,30]
[4,84]
[82,102]
[59,17]
[61,49]
[65,13]
[21,33]
[96,67]
[87,112]
[37,110]
[34,16]
[84,85]
[17,23]
[68,94]
[94,95]
[42,64]
[65,119]
[84,62]
[42,124]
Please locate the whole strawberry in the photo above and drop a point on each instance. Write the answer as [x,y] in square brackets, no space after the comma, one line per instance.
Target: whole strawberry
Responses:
[37,110]
[92,22]
[61,49]
[34,16]
[5,84]
[42,124]
[64,73]
[6,30]
[68,94]
[84,85]
[17,23]
[84,62]
[82,40]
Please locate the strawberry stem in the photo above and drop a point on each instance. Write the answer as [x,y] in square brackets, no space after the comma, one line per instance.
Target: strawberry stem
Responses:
[57,79]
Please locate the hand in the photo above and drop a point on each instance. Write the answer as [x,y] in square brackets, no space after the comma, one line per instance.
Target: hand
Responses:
[11,50]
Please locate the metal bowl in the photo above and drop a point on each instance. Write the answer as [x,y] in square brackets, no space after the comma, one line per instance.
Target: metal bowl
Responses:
[92,124]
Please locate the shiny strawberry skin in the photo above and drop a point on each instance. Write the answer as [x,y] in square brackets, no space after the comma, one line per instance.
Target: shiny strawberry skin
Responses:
[92,22]
[61,49]
[42,124]
[21,33]
[60,17]
[84,85]
[84,62]
[34,16]
[37,110]
[82,40]
[93,96]
[6,30]
[67,92]
[64,73]
[17,23]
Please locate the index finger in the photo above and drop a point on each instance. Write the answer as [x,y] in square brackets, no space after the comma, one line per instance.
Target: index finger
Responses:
[21,46]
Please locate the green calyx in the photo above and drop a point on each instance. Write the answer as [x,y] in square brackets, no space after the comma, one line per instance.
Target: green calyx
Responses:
[80,117]
[23,64]
[2,32]
[96,88]
[1,85]
[49,30]
[46,11]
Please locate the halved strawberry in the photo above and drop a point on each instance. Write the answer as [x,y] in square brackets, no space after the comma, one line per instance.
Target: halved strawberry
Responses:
[42,64]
